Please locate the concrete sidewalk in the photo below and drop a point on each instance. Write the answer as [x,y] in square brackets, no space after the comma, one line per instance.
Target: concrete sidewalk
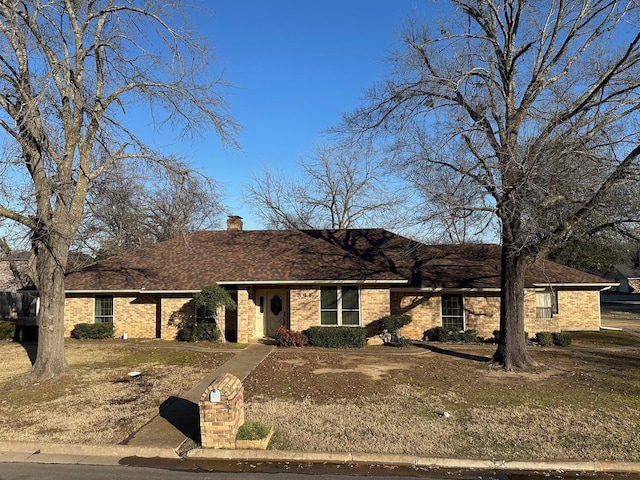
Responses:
[179,418]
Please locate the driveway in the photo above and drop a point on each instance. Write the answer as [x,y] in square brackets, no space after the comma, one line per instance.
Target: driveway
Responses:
[621,311]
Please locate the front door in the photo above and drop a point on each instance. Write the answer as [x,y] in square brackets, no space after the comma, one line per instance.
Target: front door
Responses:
[276,311]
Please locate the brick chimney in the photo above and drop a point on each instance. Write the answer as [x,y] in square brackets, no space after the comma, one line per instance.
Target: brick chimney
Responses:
[234,222]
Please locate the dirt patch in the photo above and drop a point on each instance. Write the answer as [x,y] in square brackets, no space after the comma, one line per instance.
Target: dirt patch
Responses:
[369,367]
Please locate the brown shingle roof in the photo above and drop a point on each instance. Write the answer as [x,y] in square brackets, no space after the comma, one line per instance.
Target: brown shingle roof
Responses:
[469,265]
[209,257]
[289,256]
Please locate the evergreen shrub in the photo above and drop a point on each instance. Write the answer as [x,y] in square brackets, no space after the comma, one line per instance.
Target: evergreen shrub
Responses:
[7,330]
[544,339]
[562,339]
[391,326]
[199,332]
[95,331]
[337,337]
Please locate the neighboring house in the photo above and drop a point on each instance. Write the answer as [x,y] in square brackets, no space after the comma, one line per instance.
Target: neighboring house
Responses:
[627,277]
[16,303]
[321,277]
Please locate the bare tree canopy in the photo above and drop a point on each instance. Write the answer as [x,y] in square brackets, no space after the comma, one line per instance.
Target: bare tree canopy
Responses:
[128,209]
[340,187]
[525,110]
[70,74]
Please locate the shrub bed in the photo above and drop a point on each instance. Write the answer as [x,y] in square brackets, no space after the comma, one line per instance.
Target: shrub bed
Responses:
[562,339]
[252,431]
[451,335]
[544,339]
[96,331]
[289,338]
[197,333]
[337,337]
[391,326]
[7,330]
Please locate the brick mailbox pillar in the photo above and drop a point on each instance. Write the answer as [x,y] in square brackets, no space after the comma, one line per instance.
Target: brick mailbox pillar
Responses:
[221,412]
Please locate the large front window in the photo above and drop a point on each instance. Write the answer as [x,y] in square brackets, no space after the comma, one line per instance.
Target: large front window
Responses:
[340,306]
[452,312]
[103,312]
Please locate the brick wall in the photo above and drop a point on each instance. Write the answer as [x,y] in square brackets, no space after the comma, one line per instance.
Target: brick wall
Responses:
[133,315]
[246,310]
[374,304]
[77,309]
[220,420]
[305,308]
[423,308]
[482,313]
[577,310]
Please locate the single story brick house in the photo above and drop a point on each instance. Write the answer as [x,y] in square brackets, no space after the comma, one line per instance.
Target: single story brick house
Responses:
[301,278]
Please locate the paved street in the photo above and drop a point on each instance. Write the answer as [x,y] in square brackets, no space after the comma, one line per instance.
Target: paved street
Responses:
[36,471]
[621,311]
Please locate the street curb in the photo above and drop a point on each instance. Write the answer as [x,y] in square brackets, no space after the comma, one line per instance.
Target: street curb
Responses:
[82,450]
[110,454]
[415,461]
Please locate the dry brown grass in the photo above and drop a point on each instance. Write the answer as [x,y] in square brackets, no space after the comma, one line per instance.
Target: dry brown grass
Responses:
[101,403]
[583,404]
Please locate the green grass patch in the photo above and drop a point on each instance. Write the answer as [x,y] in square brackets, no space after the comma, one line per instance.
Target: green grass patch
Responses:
[252,431]
[604,338]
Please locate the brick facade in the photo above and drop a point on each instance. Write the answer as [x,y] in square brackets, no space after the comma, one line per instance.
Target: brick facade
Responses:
[146,316]
[578,310]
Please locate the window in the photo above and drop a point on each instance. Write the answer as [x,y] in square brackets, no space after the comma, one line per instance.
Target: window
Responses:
[205,316]
[340,306]
[103,312]
[546,303]
[452,312]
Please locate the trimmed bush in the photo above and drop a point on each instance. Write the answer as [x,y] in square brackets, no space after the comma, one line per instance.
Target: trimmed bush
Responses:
[197,333]
[289,338]
[561,339]
[337,337]
[544,339]
[7,330]
[252,431]
[96,331]
[391,326]
[393,323]
[451,335]
[470,336]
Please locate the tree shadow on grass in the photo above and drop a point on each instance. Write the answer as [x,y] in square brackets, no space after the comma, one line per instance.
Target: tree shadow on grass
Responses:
[27,336]
[453,353]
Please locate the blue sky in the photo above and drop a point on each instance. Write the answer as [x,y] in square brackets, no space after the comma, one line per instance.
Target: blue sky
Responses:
[296,66]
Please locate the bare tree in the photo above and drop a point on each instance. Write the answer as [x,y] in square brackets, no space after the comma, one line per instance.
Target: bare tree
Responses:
[128,210]
[341,187]
[70,72]
[529,109]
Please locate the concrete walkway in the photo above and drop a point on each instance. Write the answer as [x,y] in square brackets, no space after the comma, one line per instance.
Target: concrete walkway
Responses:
[179,418]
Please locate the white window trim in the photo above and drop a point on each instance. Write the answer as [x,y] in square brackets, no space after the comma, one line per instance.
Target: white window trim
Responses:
[113,308]
[464,310]
[339,310]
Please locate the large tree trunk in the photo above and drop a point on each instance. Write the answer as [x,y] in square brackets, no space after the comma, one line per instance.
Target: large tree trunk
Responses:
[50,362]
[512,346]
